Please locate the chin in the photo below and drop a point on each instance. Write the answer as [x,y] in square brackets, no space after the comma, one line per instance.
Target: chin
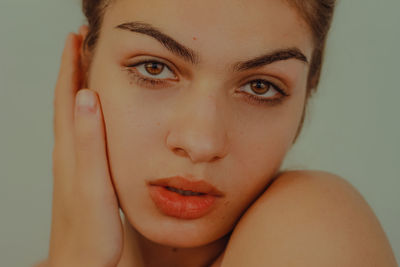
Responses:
[174,232]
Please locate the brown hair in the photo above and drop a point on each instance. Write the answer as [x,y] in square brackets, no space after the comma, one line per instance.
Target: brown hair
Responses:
[316,13]
[94,11]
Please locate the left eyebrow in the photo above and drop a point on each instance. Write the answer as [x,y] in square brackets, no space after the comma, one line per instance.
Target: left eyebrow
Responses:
[193,57]
[269,58]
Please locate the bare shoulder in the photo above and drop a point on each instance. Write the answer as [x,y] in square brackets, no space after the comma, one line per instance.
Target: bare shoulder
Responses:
[309,218]
[43,263]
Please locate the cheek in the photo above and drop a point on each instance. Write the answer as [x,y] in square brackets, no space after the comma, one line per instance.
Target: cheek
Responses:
[258,156]
[134,139]
[133,123]
[132,119]
[261,143]
[134,133]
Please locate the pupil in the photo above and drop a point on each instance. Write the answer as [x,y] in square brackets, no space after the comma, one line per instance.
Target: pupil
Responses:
[154,68]
[259,87]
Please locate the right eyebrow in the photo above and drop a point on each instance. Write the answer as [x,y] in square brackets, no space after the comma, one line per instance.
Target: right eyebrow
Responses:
[168,42]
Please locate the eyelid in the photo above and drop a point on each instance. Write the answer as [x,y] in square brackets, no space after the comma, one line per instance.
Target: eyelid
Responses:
[273,80]
[279,90]
[146,59]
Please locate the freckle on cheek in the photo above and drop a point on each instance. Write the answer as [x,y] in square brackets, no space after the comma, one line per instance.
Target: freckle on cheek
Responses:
[194,38]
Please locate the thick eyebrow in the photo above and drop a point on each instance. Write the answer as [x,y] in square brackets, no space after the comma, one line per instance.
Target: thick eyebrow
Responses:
[168,42]
[279,55]
[191,56]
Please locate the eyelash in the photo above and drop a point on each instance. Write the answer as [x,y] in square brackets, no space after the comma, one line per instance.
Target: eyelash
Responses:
[252,99]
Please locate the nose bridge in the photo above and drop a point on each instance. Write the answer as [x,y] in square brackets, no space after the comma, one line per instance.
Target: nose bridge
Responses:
[197,125]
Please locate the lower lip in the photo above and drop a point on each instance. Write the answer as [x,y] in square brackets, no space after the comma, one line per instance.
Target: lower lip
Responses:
[183,207]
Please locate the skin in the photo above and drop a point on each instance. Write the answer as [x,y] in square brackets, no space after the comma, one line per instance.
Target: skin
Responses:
[198,124]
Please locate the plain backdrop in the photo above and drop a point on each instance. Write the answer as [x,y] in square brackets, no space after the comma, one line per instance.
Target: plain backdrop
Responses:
[352,128]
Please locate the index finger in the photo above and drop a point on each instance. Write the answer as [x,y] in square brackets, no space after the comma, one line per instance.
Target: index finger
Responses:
[68,83]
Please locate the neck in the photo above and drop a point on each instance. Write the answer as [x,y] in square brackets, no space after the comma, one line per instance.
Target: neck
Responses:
[142,252]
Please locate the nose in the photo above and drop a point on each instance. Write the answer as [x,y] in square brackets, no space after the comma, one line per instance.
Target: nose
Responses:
[197,128]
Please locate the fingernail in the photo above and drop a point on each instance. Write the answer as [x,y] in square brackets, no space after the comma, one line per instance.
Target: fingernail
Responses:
[85,101]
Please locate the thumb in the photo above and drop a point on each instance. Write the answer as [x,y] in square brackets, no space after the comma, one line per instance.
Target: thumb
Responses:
[90,146]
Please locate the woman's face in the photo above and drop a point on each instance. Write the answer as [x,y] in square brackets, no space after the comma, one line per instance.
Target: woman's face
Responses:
[195,114]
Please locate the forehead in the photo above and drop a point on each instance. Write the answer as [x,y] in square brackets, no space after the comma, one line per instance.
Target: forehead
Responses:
[219,27]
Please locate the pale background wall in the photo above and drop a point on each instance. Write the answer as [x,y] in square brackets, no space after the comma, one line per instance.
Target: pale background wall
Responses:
[353,127]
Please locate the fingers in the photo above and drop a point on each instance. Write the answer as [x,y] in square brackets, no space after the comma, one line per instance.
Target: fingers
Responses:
[85,217]
[90,146]
[67,85]
[79,155]
[83,30]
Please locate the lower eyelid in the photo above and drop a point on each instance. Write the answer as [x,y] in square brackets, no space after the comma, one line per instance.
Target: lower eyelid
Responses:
[144,81]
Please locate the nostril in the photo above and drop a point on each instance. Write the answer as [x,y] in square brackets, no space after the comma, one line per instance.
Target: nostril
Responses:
[180,152]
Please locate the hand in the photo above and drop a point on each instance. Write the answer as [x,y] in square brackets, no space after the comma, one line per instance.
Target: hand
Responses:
[86,226]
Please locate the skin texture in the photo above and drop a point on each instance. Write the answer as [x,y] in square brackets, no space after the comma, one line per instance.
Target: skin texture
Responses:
[198,124]
[309,218]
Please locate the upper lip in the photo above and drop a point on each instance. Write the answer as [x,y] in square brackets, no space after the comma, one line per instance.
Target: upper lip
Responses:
[183,183]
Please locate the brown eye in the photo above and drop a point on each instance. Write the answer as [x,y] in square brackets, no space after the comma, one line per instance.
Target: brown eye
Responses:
[264,88]
[154,68]
[260,87]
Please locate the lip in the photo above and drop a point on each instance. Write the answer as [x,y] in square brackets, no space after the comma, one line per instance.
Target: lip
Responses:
[182,206]
[183,183]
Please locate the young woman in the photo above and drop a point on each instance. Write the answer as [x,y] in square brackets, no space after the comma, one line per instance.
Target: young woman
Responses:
[189,111]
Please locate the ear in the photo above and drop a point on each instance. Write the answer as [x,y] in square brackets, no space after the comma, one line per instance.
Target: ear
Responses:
[85,56]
